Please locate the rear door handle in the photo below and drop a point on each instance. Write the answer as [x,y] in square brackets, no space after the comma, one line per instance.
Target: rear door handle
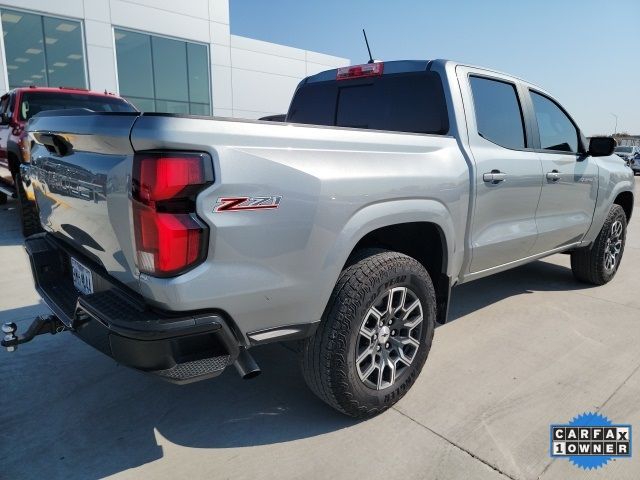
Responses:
[553,176]
[495,176]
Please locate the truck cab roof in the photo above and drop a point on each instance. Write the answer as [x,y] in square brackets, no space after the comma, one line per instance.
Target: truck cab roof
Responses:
[64,90]
[404,66]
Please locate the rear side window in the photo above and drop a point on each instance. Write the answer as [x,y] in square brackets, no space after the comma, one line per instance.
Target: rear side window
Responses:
[557,132]
[498,112]
[33,103]
[404,102]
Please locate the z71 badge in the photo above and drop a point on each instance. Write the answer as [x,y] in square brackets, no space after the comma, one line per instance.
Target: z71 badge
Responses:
[233,204]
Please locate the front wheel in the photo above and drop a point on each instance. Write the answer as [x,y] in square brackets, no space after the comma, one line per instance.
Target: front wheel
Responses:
[375,335]
[599,263]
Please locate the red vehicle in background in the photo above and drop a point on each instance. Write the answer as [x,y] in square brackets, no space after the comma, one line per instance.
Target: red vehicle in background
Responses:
[16,108]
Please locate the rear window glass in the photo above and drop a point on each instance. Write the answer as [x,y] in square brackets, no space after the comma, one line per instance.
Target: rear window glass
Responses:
[34,103]
[406,102]
[498,114]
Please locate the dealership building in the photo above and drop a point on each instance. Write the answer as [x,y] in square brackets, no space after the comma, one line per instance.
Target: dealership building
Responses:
[162,55]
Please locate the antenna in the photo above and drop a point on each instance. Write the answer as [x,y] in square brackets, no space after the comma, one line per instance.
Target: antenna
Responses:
[368,49]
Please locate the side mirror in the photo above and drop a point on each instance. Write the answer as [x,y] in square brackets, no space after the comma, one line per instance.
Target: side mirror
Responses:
[601,146]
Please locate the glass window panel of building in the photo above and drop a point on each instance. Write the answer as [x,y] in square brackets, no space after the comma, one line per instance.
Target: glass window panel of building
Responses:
[43,51]
[159,74]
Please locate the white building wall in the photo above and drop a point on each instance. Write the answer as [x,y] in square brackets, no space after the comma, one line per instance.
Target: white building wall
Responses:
[249,78]
[265,75]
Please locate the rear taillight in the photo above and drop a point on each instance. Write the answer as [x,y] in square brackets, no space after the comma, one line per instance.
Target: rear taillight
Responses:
[360,71]
[169,236]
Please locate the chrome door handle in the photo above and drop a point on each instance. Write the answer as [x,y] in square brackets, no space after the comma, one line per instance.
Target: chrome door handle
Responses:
[553,176]
[495,176]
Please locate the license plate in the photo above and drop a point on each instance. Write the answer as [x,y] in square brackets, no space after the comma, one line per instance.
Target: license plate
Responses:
[82,278]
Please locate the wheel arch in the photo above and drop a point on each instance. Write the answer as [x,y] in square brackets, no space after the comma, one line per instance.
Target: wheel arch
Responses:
[422,229]
[625,200]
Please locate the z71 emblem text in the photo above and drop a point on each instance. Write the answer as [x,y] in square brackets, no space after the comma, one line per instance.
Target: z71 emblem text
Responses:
[232,204]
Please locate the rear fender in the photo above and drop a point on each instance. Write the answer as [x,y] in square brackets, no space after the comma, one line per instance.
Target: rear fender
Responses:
[379,215]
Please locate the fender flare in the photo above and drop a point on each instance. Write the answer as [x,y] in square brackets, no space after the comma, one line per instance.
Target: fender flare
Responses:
[378,215]
[603,206]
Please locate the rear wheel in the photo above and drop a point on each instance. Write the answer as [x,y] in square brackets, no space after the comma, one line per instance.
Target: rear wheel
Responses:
[375,335]
[599,263]
[29,217]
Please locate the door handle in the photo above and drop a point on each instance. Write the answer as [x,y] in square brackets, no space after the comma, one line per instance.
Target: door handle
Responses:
[553,176]
[495,176]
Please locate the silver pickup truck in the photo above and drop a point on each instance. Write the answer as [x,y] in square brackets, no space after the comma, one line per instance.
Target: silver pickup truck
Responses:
[174,244]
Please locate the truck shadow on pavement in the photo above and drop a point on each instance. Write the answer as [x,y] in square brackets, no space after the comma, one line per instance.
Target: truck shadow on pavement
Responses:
[9,224]
[77,422]
[539,276]
[26,313]
[75,414]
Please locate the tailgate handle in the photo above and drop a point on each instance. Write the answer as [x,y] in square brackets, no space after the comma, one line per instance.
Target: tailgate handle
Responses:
[55,143]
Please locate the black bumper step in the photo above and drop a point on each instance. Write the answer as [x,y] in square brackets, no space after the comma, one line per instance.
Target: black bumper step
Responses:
[177,346]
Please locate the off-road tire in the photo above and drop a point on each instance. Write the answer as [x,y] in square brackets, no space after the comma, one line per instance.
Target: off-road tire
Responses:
[588,264]
[328,358]
[28,211]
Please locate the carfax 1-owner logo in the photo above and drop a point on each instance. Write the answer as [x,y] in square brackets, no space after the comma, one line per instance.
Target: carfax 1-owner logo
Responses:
[590,441]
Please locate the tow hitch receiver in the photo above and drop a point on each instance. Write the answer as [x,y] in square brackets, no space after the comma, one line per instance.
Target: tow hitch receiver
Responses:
[41,325]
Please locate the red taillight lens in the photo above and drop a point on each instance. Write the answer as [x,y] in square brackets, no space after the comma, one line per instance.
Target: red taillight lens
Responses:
[169,236]
[360,71]
[165,178]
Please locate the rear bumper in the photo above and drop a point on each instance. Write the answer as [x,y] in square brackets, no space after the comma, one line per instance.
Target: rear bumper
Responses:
[180,347]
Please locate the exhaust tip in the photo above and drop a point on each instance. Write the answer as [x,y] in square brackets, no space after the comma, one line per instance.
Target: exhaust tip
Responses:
[253,374]
[246,366]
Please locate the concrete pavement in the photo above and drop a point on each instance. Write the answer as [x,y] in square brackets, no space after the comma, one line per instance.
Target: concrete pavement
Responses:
[524,349]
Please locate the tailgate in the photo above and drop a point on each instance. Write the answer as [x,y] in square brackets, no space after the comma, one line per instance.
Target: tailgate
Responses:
[81,165]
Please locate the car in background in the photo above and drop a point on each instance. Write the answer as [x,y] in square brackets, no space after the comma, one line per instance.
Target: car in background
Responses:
[634,162]
[16,108]
[627,153]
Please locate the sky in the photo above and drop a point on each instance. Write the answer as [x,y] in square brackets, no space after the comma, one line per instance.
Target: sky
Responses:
[586,53]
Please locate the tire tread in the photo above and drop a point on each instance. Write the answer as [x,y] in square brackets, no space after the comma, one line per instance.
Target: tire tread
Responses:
[323,361]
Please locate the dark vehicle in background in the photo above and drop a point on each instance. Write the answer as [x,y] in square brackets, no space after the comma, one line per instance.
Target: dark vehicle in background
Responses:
[635,164]
[16,108]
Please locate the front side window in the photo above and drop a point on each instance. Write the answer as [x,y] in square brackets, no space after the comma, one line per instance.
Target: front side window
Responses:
[43,51]
[498,112]
[557,132]
[159,74]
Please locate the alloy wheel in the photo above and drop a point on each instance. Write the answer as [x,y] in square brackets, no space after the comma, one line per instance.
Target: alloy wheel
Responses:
[389,337]
[613,246]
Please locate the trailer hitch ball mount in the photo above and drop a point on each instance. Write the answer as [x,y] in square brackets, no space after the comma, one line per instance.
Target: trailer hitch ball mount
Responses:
[40,325]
